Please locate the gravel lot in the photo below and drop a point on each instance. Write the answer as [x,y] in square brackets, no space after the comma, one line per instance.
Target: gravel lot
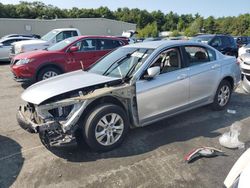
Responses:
[150,157]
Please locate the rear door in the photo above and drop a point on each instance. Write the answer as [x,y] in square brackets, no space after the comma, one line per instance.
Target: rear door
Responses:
[204,73]
[166,93]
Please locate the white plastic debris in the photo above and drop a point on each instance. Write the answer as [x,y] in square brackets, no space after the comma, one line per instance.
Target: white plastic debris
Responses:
[231,111]
[230,139]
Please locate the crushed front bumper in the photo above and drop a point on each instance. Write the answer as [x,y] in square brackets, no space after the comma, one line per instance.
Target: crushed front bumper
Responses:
[50,133]
[25,122]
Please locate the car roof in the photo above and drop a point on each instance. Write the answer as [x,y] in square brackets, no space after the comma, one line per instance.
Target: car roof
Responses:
[212,35]
[164,43]
[11,38]
[66,29]
[101,36]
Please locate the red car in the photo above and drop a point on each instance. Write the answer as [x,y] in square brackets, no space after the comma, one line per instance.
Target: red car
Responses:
[65,56]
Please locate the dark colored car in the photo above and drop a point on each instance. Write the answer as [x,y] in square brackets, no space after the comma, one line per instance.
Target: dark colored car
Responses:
[243,40]
[68,55]
[223,43]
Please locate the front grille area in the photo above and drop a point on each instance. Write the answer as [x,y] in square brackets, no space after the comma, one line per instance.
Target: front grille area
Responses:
[246,71]
[14,61]
[12,49]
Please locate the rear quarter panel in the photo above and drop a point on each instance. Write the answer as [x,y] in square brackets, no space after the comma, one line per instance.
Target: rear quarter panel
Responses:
[230,67]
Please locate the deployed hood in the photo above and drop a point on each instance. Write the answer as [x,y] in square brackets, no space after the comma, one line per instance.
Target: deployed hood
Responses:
[52,87]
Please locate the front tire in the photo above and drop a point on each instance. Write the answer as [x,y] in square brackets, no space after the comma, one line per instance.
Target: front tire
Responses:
[222,96]
[106,127]
[48,72]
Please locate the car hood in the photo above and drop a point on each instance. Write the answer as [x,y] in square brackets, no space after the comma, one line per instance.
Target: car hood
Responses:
[245,57]
[33,54]
[28,42]
[61,84]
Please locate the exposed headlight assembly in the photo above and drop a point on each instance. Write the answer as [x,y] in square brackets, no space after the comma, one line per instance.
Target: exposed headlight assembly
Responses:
[65,112]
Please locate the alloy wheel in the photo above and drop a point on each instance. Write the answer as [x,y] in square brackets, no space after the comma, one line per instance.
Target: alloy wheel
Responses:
[224,95]
[109,129]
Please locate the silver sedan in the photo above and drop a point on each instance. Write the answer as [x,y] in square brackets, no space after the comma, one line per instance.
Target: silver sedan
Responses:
[133,86]
[5,46]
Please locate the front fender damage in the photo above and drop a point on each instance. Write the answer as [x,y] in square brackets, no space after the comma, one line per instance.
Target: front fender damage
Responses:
[57,121]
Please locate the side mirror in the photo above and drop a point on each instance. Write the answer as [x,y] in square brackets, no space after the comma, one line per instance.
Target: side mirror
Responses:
[73,49]
[153,72]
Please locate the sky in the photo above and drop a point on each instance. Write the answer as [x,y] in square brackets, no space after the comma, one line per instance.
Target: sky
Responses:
[216,8]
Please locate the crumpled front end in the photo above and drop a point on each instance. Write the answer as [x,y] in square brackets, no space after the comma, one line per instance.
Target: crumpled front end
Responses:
[55,122]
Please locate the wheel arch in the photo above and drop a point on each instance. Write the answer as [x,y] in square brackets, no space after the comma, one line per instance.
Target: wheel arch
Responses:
[230,80]
[104,100]
[46,65]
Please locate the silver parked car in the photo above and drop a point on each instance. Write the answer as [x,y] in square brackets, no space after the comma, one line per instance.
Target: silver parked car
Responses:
[5,46]
[133,86]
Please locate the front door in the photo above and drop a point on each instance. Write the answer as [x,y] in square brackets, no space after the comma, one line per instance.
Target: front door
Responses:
[167,92]
[86,55]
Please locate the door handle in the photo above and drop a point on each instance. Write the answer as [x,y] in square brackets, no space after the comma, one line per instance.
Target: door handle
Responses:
[215,66]
[182,76]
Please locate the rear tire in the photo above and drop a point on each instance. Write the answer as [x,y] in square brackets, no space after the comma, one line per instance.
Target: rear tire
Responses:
[105,127]
[48,72]
[222,96]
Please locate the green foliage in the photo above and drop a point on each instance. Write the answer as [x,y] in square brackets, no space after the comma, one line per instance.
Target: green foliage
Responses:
[195,27]
[175,33]
[149,30]
[149,24]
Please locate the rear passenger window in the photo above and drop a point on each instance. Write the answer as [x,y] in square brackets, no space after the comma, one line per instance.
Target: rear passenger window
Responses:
[106,44]
[198,55]
[87,45]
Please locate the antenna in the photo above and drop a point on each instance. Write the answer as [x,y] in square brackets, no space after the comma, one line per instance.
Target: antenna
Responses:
[82,65]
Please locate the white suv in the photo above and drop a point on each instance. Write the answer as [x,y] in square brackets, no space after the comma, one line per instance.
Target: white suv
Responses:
[46,41]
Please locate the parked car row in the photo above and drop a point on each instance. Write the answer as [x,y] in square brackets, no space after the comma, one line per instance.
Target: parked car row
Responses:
[13,44]
[103,94]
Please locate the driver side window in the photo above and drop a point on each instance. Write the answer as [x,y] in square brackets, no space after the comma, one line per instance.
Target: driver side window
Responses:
[168,60]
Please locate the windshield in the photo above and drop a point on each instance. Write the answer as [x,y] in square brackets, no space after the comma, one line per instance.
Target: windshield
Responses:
[62,44]
[122,62]
[247,46]
[3,40]
[204,39]
[50,35]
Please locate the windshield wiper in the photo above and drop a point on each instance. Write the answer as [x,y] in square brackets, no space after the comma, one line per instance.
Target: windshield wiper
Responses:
[134,65]
[118,62]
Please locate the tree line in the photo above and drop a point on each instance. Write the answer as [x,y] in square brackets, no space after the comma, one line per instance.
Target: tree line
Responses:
[149,24]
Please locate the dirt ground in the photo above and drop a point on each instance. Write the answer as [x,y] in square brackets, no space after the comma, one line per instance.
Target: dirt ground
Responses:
[150,157]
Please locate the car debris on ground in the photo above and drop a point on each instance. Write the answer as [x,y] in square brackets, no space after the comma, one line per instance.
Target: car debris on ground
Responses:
[203,152]
[230,139]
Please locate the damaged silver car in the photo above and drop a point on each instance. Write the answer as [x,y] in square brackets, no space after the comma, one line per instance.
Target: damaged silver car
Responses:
[133,86]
